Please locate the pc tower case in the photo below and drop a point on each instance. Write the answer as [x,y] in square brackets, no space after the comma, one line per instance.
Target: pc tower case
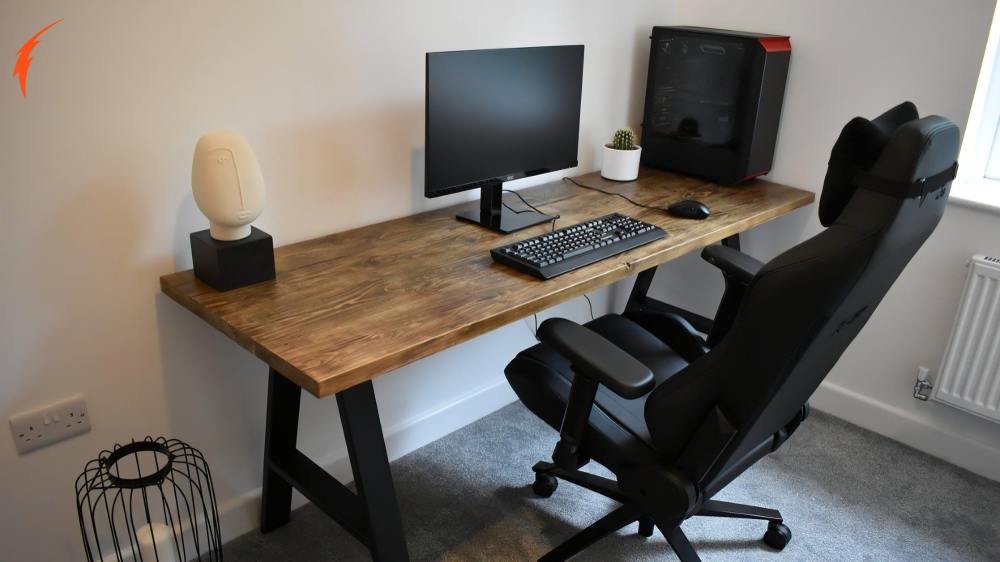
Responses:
[713,101]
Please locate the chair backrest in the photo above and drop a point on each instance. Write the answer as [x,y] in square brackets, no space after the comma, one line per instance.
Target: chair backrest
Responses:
[804,307]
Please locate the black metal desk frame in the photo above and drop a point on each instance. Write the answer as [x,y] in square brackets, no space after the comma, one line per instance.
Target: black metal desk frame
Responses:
[371,515]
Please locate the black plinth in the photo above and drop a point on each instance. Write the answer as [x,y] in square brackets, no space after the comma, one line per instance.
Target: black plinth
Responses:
[234,264]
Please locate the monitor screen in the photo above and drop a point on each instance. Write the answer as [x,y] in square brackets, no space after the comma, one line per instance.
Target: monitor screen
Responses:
[499,115]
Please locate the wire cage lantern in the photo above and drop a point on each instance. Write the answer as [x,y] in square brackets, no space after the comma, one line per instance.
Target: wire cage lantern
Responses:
[149,501]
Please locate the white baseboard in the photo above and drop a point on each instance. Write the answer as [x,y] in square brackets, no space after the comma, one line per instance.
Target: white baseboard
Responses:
[242,514]
[909,429]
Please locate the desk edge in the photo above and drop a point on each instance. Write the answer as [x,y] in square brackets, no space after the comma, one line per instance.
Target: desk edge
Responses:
[346,379]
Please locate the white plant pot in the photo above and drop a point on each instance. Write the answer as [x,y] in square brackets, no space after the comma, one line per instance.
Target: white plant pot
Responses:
[620,165]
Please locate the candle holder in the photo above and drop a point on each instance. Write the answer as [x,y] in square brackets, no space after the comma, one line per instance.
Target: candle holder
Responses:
[149,501]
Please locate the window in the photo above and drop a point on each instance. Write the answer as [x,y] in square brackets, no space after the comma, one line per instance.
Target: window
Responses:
[979,173]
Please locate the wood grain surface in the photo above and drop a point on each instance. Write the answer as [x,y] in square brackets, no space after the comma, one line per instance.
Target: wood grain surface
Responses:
[350,306]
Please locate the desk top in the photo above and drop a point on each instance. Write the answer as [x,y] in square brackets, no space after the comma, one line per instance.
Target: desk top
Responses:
[350,306]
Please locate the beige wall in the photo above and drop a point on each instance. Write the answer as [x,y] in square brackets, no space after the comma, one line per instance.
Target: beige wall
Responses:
[96,204]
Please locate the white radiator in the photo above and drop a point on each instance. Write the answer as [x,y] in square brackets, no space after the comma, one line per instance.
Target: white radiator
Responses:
[969,377]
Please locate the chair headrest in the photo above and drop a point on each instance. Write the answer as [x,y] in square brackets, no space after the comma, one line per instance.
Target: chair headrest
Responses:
[856,150]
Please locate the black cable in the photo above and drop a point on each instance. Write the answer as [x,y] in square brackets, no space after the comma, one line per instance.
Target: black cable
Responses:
[533,208]
[515,211]
[618,194]
[591,306]
[528,326]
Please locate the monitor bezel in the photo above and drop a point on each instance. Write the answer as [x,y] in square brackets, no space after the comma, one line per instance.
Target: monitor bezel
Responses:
[514,175]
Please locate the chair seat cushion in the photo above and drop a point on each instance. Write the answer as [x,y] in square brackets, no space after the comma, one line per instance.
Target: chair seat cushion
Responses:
[542,379]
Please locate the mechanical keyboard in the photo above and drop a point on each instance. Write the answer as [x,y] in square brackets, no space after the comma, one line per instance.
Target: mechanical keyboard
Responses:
[573,247]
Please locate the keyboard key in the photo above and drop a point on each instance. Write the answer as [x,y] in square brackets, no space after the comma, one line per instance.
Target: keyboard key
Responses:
[578,251]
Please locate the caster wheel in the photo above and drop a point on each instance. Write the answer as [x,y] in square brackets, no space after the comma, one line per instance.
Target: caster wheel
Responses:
[646,526]
[544,485]
[777,536]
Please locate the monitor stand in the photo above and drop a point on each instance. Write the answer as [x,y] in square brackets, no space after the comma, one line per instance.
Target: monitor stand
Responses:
[493,216]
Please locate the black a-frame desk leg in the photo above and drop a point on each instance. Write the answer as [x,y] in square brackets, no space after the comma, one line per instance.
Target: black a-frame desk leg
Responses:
[370,463]
[283,398]
[371,515]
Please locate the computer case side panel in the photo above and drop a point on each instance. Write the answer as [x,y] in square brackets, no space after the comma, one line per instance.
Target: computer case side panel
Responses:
[750,121]
[713,164]
[713,99]
[772,96]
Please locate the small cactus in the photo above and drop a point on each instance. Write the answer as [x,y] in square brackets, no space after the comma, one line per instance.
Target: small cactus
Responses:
[624,139]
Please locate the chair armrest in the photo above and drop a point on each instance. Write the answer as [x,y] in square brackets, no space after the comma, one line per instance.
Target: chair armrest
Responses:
[738,269]
[597,358]
[733,263]
[594,361]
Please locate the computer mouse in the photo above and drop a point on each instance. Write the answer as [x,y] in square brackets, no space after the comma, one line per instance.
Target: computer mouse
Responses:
[689,209]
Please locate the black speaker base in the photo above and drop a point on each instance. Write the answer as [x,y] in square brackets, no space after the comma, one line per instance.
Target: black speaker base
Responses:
[228,265]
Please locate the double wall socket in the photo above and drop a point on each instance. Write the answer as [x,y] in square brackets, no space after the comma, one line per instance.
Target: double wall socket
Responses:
[51,424]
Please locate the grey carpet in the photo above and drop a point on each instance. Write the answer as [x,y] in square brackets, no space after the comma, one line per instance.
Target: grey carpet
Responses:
[848,495]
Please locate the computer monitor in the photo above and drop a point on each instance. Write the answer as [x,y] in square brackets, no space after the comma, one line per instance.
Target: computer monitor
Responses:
[499,115]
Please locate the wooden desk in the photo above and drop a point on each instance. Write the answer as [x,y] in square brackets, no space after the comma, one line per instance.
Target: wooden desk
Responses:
[348,307]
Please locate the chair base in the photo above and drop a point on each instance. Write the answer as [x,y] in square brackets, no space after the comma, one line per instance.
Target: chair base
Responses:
[778,535]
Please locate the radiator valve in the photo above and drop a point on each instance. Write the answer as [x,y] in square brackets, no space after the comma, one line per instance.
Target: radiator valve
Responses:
[922,384]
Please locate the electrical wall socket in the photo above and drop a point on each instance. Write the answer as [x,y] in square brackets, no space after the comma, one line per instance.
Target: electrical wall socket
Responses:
[51,424]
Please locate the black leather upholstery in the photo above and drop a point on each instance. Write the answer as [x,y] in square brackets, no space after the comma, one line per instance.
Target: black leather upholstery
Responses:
[797,315]
[732,262]
[541,378]
[667,327]
[859,145]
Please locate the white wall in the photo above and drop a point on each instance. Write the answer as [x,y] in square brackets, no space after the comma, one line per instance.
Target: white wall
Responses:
[95,205]
[860,57]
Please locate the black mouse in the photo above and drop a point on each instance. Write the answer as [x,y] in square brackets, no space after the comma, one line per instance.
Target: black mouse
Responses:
[689,209]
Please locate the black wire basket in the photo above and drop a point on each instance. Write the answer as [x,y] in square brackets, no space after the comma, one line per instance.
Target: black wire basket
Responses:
[149,501]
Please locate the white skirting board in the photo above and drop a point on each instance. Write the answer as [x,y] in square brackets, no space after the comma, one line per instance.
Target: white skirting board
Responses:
[907,428]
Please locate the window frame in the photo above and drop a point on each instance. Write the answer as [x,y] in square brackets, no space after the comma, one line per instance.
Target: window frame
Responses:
[982,132]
